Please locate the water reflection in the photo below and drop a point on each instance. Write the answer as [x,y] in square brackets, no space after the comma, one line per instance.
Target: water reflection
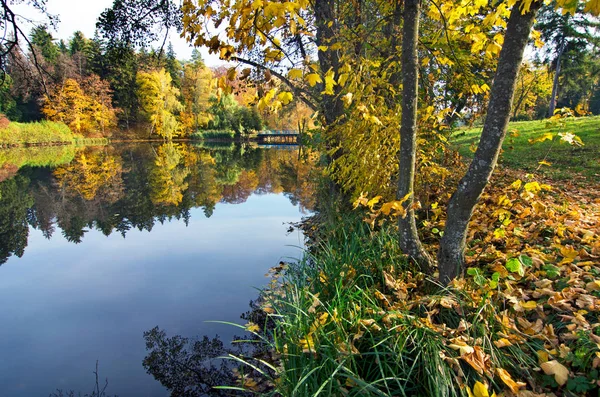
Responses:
[81,292]
[134,187]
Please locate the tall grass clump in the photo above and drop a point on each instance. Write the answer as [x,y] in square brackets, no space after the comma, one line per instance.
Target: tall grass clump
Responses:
[354,318]
[214,135]
[42,132]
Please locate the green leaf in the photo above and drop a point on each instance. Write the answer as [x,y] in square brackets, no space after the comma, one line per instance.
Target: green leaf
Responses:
[480,280]
[526,261]
[514,265]
[551,271]
[472,271]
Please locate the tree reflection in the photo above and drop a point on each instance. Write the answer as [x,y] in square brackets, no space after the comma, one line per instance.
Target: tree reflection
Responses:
[135,186]
[15,202]
[92,173]
[168,175]
[197,367]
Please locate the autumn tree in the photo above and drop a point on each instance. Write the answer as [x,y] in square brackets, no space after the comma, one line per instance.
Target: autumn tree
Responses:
[196,89]
[84,108]
[532,93]
[159,100]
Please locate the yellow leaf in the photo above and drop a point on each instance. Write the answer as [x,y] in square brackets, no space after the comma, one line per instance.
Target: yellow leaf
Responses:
[544,162]
[285,97]
[543,356]
[329,83]
[516,184]
[560,372]
[529,305]
[508,381]
[295,74]
[480,390]
[252,327]
[370,324]
[569,254]
[532,187]
[503,342]
[373,201]
[231,74]
[593,286]
[323,318]
[313,78]
[545,137]
[593,7]
[461,346]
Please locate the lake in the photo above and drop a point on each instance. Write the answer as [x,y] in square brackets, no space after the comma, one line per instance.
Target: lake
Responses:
[99,244]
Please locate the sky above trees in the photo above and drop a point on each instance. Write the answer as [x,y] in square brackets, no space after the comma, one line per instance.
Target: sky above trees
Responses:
[82,16]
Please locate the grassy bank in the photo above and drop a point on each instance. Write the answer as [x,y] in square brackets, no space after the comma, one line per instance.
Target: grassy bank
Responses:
[355,319]
[566,160]
[43,133]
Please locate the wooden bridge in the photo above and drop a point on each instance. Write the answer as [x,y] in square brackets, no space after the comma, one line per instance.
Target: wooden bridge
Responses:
[282,137]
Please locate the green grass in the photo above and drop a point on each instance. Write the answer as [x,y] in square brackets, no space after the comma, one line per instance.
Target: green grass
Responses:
[43,132]
[567,161]
[337,336]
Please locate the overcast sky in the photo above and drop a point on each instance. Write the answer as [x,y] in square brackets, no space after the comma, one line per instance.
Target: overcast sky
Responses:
[82,14]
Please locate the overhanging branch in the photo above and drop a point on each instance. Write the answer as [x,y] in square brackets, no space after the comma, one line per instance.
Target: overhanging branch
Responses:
[305,96]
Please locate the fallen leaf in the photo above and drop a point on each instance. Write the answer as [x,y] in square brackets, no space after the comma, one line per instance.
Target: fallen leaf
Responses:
[508,380]
[560,372]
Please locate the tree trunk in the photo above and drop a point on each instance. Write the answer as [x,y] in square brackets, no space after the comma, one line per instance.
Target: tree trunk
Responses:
[553,98]
[326,22]
[451,259]
[408,237]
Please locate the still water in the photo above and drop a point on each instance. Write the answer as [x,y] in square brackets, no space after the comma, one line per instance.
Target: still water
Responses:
[98,245]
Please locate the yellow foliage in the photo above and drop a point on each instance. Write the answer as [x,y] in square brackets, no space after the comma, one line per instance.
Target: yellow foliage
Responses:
[158,99]
[84,111]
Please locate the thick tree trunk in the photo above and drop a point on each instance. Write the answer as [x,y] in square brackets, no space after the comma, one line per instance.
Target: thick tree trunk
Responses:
[460,208]
[408,237]
[553,98]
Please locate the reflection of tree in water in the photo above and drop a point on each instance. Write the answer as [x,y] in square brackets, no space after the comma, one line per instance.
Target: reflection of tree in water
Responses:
[168,175]
[194,368]
[246,184]
[135,186]
[15,202]
[92,173]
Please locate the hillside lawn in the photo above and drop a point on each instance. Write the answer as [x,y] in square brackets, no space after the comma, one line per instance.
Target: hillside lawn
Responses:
[568,162]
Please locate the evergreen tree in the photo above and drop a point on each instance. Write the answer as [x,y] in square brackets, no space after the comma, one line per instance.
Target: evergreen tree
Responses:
[43,40]
[568,38]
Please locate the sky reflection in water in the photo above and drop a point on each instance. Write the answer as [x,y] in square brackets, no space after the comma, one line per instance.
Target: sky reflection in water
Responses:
[66,305]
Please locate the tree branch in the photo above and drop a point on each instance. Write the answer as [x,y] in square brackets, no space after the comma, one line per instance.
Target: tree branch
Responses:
[299,92]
